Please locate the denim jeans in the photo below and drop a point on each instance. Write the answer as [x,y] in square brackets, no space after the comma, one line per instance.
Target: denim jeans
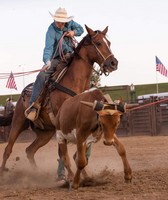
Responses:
[41,78]
[60,169]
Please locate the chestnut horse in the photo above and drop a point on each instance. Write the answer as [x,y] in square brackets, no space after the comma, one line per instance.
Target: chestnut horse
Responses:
[94,47]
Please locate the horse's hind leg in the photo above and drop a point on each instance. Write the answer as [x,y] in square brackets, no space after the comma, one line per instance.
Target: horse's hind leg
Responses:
[43,137]
[122,152]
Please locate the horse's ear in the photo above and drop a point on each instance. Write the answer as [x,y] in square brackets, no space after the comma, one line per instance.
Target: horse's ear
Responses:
[89,30]
[105,30]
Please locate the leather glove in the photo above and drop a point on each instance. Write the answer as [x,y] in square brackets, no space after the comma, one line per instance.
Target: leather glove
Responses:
[47,66]
[70,34]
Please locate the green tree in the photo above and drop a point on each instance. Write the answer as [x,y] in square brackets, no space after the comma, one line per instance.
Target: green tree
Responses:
[95,79]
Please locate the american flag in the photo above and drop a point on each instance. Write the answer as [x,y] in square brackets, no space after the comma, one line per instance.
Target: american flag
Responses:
[161,68]
[11,82]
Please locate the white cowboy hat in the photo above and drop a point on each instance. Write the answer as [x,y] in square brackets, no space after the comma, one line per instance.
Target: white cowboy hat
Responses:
[61,15]
[8,99]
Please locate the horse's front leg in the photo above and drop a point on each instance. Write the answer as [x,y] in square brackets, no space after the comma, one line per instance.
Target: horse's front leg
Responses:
[17,127]
[81,162]
[122,152]
[64,156]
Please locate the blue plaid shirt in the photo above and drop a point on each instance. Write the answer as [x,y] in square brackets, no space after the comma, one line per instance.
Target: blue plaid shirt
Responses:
[53,36]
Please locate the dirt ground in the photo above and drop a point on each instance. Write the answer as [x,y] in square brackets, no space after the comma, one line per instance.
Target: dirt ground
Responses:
[148,157]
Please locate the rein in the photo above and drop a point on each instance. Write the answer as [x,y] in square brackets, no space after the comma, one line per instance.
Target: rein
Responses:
[59,48]
[74,42]
[98,72]
[56,84]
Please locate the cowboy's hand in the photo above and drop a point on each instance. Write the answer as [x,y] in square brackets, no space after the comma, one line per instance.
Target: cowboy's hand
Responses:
[70,34]
[47,66]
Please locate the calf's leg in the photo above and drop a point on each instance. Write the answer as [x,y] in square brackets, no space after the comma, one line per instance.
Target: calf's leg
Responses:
[122,152]
[87,154]
[81,162]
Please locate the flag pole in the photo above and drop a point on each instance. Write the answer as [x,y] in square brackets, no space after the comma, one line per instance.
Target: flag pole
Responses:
[157,69]
[160,68]
[157,87]
[11,93]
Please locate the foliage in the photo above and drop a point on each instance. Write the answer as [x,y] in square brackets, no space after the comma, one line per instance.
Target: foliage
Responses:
[4,97]
[95,79]
[114,91]
[124,90]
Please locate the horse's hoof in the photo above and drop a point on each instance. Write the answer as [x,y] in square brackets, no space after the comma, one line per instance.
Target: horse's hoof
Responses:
[128,179]
[75,186]
[5,169]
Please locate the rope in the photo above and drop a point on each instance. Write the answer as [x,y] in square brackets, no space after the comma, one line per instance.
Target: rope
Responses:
[18,74]
[62,56]
[149,104]
[59,48]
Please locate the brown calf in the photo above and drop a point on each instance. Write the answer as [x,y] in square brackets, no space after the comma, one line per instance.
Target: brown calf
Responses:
[89,124]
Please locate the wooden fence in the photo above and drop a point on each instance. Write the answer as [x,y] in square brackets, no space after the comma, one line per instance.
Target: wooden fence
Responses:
[152,119]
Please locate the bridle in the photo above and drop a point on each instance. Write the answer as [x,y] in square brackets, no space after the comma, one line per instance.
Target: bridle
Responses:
[98,50]
[99,53]
[104,58]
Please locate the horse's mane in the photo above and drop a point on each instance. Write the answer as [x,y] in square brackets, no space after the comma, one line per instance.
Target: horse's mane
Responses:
[85,41]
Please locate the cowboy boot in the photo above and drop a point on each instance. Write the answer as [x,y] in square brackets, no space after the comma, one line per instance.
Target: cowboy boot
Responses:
[32,111]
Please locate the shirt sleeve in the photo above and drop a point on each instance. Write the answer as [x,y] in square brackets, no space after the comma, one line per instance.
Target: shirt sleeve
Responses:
[77,28]
[49,44]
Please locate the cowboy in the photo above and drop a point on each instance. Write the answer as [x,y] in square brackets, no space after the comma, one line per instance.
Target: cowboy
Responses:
[132,92]
[62,25]
[9,109]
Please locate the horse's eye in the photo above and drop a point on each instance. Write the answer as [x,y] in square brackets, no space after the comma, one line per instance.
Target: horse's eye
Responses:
[98,43]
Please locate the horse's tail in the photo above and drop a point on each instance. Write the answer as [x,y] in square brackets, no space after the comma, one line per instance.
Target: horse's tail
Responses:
[6,120]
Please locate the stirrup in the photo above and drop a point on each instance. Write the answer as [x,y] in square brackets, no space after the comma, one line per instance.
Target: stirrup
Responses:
[32,112]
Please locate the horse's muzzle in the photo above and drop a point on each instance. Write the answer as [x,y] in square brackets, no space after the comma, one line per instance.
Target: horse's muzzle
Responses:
[111,65]
[114,64]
